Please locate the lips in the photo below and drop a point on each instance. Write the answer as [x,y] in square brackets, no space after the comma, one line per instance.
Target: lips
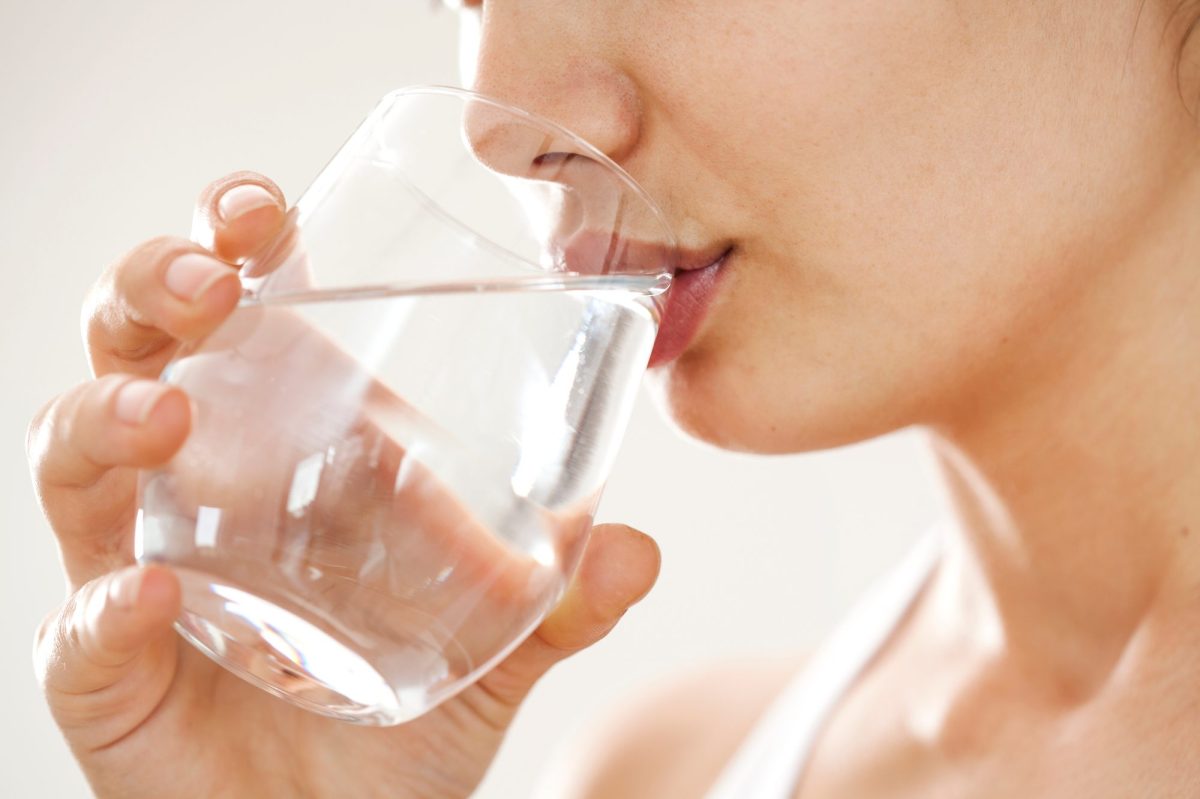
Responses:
[688,299]
[693,286]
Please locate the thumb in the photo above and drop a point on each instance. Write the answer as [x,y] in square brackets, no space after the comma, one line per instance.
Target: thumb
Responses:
[619,567]
[106,657]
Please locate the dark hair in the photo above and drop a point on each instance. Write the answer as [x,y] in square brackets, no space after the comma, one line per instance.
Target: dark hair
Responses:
[1182,24]
[1187,10]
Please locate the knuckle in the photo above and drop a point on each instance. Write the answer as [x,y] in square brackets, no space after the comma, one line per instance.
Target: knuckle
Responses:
[48,426]
[139,349]
[59,427]
[35,433]
[45,627]
[75,611]
[51,641]
[96,320]
[116,312]
[97,300]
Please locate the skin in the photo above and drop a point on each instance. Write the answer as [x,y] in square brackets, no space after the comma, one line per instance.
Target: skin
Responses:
[977,219]
[973,218]
[145,713]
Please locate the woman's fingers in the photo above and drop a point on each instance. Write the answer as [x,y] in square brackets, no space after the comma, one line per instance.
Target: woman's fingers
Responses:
[168,289]
[618,569]
[106,657]
[237,214]
[164,290]
[76,447]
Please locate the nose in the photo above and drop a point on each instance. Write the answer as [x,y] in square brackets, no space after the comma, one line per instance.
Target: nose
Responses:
[562,62]
[549,58]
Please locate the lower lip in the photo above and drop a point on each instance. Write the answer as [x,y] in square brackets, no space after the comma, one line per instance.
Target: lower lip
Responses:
[687,303]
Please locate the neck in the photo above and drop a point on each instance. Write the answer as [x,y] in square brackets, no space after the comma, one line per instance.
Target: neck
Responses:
[1074,478]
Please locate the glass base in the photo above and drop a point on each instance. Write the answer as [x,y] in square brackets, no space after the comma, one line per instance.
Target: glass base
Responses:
[288,656]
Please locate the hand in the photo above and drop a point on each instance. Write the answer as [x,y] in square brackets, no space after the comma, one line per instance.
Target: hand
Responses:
[146,714]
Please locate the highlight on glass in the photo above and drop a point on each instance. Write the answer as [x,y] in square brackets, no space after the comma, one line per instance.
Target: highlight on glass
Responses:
[402,432]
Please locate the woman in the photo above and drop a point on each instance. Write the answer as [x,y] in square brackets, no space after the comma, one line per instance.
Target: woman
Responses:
[977,218]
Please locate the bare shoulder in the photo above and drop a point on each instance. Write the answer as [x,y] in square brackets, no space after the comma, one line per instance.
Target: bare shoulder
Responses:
[676,737]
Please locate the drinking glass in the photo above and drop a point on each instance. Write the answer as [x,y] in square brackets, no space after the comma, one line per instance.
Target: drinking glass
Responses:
[400,435]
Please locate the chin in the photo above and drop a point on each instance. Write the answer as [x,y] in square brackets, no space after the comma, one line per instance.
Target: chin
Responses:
[709,401]
[736,408]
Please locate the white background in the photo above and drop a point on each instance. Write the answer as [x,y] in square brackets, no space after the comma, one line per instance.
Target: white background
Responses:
[113,116]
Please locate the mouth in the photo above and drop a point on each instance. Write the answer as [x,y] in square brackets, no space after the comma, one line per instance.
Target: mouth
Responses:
[695,260]
[593,253]
[693,285]
[692,290]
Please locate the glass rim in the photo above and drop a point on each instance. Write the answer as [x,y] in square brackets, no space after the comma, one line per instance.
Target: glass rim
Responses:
[588,149]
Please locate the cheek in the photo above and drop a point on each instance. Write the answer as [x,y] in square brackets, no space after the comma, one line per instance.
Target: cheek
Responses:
[912,203]
[780,370]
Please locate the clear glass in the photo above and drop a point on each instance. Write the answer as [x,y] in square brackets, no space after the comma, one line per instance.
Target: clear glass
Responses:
[402,432]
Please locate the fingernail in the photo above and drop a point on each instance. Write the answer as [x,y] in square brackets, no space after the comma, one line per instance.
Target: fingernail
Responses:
[192,274]
[136,400]
[241,200]
[124,589]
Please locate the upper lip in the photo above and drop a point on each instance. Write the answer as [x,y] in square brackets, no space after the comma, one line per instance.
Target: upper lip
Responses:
[699,259]
[593,253]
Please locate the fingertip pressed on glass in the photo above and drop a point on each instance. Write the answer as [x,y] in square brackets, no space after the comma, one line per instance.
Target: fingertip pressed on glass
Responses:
[402,432]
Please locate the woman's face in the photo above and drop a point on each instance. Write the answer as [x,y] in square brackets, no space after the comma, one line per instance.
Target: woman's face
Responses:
[913,190]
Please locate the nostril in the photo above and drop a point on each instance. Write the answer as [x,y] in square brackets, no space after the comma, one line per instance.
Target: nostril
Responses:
[553,159]
[501,140]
